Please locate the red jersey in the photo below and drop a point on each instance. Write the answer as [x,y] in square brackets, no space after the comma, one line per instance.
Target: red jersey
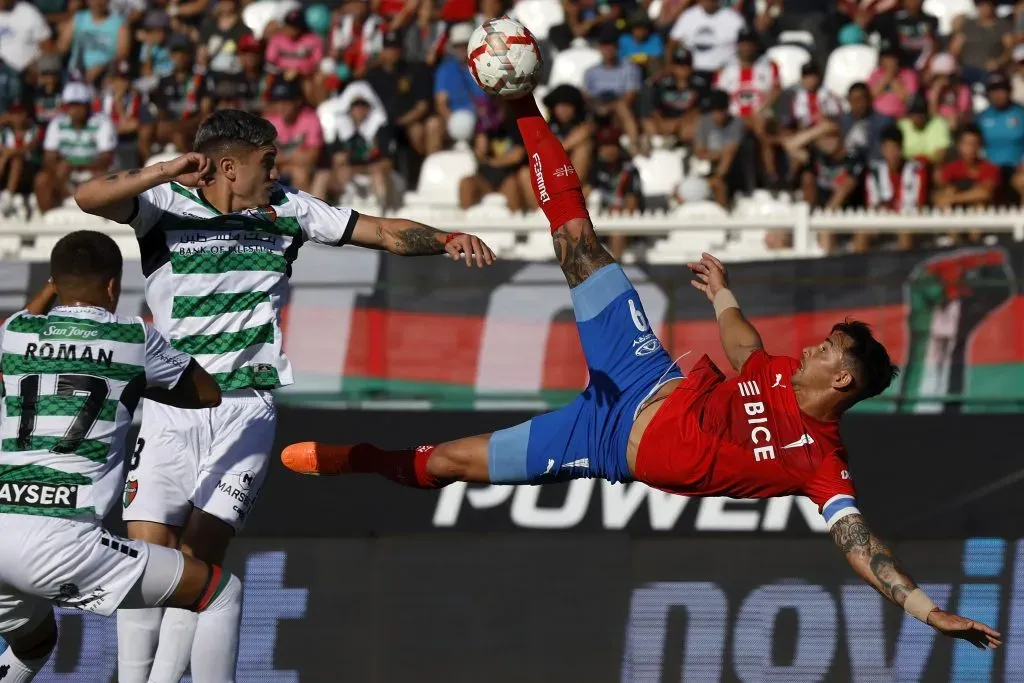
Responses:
[745,438]
[748,86]
[958,174]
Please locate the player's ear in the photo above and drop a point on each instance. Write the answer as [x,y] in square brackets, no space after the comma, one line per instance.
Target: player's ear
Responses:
[842,380]
[227,165]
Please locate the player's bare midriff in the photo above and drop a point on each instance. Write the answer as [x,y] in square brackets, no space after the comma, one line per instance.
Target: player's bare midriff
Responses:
[650,408]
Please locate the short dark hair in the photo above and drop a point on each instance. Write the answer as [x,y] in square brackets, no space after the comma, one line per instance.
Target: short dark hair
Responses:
[968,129]
[85,257]
[873,370]
[859,85]
[232,128]
[892,134]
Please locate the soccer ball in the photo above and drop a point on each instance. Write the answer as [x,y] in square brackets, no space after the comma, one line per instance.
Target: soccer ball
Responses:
[504,58]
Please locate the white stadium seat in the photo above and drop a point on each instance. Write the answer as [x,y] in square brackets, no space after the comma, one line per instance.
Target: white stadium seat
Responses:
[686,244]
[790,59]
[805,38]
[440,176]
[40,251]
[947,11]
[538,16]
[258,14]
[569,66]
[661,172]
[847,65]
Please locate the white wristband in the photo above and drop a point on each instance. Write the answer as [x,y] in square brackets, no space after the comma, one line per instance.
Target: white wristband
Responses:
[919,605]
[723,301]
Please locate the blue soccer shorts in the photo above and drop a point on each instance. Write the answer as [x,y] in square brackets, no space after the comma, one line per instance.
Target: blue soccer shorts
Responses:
[589,437]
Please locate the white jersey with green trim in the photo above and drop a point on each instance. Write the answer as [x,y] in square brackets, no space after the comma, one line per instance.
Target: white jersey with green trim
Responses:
[216,282]
[71,381]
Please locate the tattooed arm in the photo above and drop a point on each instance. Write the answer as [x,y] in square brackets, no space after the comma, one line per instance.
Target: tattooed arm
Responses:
[113,196]
[409,238]
[876,564]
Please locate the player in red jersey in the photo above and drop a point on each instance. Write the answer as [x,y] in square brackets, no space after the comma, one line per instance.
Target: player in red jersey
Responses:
[770,431]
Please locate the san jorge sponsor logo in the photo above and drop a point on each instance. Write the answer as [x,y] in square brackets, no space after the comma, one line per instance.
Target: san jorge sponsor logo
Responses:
[82,331]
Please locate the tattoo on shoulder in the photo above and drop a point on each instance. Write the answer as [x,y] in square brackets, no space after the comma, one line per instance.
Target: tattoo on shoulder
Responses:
[579,255]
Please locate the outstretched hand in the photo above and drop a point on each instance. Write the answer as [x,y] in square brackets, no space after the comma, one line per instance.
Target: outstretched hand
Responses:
[476,252]
[711,275]
[191,170]
[974,632]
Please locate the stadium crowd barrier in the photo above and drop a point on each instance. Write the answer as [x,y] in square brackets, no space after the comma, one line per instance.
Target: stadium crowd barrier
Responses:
[687,229]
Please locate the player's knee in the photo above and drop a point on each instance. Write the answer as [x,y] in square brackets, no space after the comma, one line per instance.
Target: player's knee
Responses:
[577,228]
[154,533]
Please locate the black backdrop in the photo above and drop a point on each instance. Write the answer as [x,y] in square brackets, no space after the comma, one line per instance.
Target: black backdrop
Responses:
[917,477]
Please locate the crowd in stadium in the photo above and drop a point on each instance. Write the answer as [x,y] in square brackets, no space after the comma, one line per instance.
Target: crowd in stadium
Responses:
[87,86]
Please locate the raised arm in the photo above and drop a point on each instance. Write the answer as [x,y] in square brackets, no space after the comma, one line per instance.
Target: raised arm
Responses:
[409,238]
[40,303]
[739,338]
[113,196]
[876,564]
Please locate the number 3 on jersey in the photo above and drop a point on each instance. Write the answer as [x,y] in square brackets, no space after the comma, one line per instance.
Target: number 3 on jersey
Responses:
[638,317]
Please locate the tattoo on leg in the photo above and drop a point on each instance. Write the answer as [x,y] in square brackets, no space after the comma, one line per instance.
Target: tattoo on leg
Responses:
[579,255]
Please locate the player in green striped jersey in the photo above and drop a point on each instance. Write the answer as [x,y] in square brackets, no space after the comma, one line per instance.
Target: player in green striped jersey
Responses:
[72,378]
[218,237]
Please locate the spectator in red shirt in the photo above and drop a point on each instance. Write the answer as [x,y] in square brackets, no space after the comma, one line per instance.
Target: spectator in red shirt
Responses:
[968,181]
[894,184]
[355,36]
[752,83]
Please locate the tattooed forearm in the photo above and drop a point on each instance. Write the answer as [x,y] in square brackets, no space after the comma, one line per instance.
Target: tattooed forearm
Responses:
[416,240]
[872,559]
[579,253]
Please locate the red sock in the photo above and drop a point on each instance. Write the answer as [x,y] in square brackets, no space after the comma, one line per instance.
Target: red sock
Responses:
[556,185]
[408,468]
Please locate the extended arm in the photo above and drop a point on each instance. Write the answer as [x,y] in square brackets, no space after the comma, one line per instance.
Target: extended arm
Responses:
[739,338]
[876,564]
[409,238]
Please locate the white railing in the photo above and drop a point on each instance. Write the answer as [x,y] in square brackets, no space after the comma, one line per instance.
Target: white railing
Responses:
[690,227]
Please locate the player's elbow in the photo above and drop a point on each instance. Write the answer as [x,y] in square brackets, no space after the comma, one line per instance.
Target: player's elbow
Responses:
[210,395]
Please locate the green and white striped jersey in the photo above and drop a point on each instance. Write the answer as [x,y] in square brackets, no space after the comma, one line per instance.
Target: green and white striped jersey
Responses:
[80,146]
[72,380]
[216,282]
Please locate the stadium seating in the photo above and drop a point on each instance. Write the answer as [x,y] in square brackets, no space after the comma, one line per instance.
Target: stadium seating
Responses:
[847,65]
[790,59]
[538,16]
[259,14]
[439,178]
[947,11]
[569,66]
[661,172]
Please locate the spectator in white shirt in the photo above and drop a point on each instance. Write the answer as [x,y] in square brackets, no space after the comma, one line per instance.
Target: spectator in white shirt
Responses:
[22,32]
[78,145]
[709,32]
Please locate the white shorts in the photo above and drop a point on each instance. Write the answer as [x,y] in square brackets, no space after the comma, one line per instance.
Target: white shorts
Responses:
[47,561]
[214,460]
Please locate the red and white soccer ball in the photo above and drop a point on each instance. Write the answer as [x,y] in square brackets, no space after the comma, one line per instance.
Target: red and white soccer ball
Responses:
[504,58]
